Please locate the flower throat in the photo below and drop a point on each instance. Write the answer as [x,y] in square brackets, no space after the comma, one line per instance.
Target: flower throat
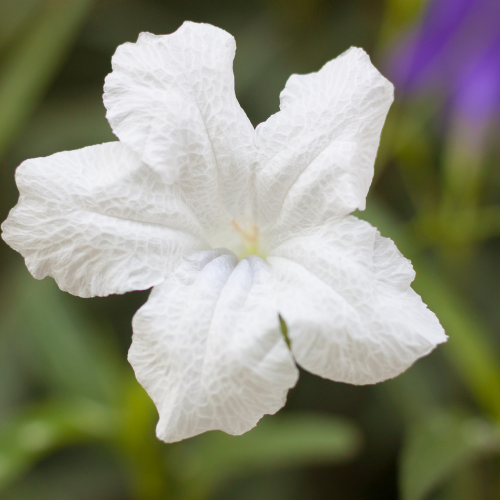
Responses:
[249,234]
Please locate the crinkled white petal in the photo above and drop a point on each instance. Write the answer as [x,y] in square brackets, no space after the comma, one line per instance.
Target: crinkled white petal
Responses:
[208,349]
[344,293]
[99,221]
[171,99]
[317,153]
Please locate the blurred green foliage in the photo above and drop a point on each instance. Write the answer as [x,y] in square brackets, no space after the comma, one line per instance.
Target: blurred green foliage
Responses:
[440,445]
[75,424]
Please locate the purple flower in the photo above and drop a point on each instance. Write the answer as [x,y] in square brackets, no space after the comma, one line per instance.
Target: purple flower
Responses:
[455,51]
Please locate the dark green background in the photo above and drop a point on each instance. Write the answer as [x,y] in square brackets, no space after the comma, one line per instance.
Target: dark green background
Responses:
[75,425]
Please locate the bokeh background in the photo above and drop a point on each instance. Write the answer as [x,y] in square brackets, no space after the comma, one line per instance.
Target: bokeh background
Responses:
[74,423]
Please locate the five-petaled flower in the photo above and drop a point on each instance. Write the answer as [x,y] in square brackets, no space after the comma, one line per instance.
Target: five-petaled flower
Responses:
[233,227]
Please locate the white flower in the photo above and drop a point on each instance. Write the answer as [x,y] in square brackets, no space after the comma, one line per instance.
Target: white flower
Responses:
[233,227]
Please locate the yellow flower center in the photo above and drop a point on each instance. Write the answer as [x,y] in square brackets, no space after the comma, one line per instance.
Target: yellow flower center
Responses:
[249,233]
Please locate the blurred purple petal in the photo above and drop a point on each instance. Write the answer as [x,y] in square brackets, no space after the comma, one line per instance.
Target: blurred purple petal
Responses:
[440,23]
[455,50]
[477,94]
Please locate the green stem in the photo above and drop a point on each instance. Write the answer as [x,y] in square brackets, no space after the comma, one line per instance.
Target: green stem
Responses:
[145,454]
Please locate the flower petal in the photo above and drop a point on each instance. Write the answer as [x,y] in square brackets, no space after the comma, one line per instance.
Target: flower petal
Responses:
[171,99]
[318,151]
[208,349]
[99,221]
[344,293]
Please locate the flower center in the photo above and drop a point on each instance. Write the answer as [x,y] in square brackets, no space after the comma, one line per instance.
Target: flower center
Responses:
[241,236]
[249,234]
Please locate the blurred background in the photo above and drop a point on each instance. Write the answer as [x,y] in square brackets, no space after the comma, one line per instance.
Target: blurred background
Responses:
[74,423]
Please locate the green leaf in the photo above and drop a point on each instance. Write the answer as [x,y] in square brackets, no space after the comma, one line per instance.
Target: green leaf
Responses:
[286,440]
[439,446]
[31,435]
[29,68]
[63,351]
[12,17]
[283,440]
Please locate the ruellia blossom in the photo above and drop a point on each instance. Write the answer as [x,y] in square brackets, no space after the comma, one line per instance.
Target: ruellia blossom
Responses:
[236,229]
